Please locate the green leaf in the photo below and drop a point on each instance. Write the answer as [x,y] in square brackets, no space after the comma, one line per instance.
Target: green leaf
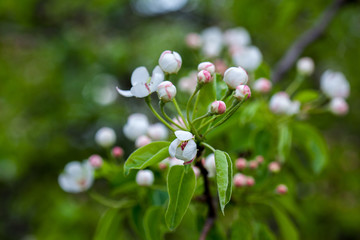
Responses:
[181,187]
[152,222]
[241,230]
[206,96]
[230,177]
[108,225]
[147,155]
[287,228]
[264,233]
[123,203]
[313,143]
[284,143]
[224,183]
[262,71]
[306,96]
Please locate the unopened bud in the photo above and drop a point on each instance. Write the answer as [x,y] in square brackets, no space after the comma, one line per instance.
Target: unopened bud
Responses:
[218,107]
[193,40]
[338,106]
[105,137]
[259,159]
[240,180]
[208,66]
[235,76]
[241,163]
[274,167]
[242,91]
[145,177]
[170,61]
[166,91]
[204,76]
[117,152]
[142,141]
[305,66]
[250,181]
[253,164]
[95,161]
[262,85]
[281,189]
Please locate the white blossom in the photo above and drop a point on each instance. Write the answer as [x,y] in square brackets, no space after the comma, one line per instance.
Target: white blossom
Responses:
[158,132]
[183,147]
[249,58]
[77,177]
[235,76]
[105,137]
[145,177]
[137,125]
[170,61]
[334,84]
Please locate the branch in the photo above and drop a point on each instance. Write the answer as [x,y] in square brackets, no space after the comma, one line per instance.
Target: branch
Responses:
[296,49]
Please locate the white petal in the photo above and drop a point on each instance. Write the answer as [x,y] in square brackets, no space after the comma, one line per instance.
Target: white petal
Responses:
[140,90]
[125,93]
[139,75]
[73,169]
[190,150]
[156,79]
[183,135]
[68,184]
[172,147]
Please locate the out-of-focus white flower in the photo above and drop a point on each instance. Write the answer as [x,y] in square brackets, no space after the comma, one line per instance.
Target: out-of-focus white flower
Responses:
[239,180]
[188,84]
[95,161]
[218,107]
[242,91]
[208,66]
[77,177]
[338,106]
[166,91]
[212,42]
[281,189]
[249,58]
[145,177]
[141,141]
[294,108]
[204,77]
[174,161]
[235,76]
[280,103]
[334,84]
[105,137]
[210,165]
[241,163]
[117,151]
[170,61]
[262,85]
[274,167]
[137,125]
[220,66]
[158,132]
[196,171]
[237,37]
[305,66]
[164,164]
[183,147]
[193,40]
[142,84]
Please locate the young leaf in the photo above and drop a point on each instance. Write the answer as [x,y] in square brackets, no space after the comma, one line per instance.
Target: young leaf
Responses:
[287,228]
[306,96]
[241,230]
[284,143]
[147,155]
[181,187]
[152,222]
[230,177]
[108,224]
[223,178]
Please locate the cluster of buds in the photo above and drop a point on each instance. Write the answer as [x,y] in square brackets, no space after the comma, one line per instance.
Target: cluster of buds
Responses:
[206,71]
[242,163]
[241,180]
[280,103]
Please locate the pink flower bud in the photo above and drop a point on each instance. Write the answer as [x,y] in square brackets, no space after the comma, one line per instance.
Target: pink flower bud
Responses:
[250,181]
[117,152]
[259,159]
[170,61]
[240,180]
[281,189]
[95,161]
[179,121]
[193,40]
[204,76]
[218,107]
[274,167]
[262,85]
[142,141]
[241,91]
[220,66]
[305,66]
[253,164]
[338,106]
[166,91]
[241,163]
[196,171]
[235,76]
[208,66]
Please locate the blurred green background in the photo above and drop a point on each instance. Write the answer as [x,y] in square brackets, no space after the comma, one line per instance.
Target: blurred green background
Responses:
[54,54]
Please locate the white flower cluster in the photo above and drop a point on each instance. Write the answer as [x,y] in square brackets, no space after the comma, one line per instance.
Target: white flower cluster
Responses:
[280,103]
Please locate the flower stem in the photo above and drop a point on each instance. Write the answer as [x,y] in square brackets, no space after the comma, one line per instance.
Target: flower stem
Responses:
[295,84]
[188,111]
[202,117]
[228,93]
[195,105]
[179,112]
[148,102]
[162,104]
[208,146]
[208,121]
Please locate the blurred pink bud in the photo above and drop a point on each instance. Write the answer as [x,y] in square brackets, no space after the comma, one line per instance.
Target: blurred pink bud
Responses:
[170,61]
[193,40]
[250,181]
[235,76]
[204,76]
[166,91]
[262,85]
[117,152]
[240,180]
[259,159]
[218,107]
[179,121]
[220,66]
[253,164]
[95,161]
[274,167]
[208,66]
[338,106]
[242,91]
[142,141]
[196,171]
[188,84]
[281,189]
[164,164]
[241,163]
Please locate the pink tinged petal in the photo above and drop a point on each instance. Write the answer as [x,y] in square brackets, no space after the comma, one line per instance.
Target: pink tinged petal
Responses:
[172,147]
[140,90]
[183,135]
[139,75]
[190,150]
[125,93]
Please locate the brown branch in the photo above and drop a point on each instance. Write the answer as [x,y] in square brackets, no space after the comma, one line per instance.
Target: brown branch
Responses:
[296,49]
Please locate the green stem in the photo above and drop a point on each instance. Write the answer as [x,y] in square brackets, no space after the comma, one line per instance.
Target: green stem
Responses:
[295,84]
[179,112]
[208,121]
[162,104]
[202,117]
[208,146]
[228,93]
[148,102]
[188,111]
[195,105]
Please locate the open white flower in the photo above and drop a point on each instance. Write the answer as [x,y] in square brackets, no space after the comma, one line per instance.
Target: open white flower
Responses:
[142,84]
[183,147]
[77,177]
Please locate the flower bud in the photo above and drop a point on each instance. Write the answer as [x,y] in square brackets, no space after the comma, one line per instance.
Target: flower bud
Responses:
[253,164]
[158,132]
[117,152]
[204,77]
[250,181]
[334,84]
[145,177]
[142,141]
[259,159]
[193,40]
[241,163]
[105,137]
[235,76]
[179,121]
[218,107]
[274,167]
[208,66]
[95,161]
[241,91]
[281,189]
[210,165]
[137,125]
[166,91]
[196,171]
[249,58]
[305,66]
[262,85]
[338,106]
[239,180]
[170,61]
